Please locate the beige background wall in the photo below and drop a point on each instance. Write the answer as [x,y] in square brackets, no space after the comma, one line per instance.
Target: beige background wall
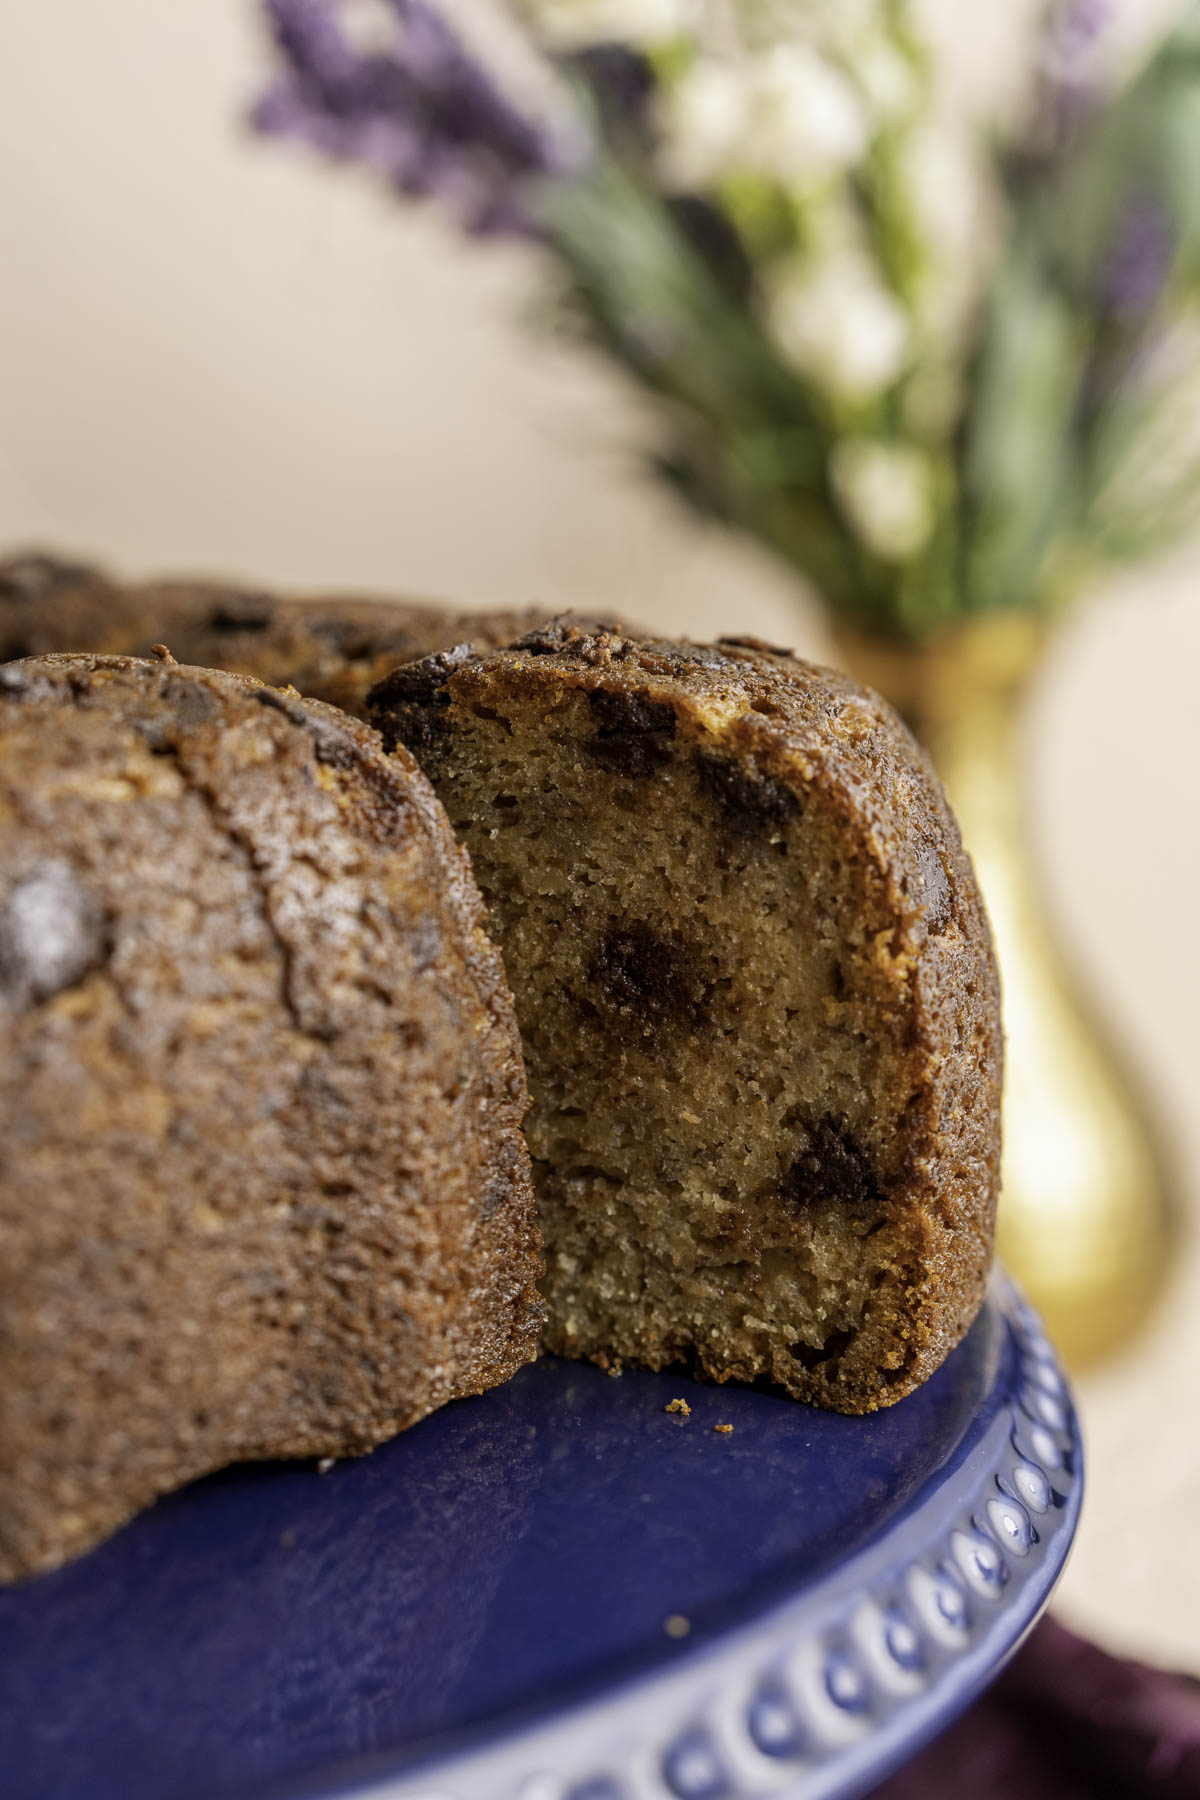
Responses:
[218,356]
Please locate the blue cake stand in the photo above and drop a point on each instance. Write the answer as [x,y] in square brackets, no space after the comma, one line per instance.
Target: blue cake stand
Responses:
[560,1591]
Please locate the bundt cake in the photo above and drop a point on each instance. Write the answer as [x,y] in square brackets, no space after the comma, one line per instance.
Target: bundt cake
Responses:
[263,1190]
[756,994]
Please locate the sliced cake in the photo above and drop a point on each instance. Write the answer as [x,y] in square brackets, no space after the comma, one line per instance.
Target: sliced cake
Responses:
[756,994]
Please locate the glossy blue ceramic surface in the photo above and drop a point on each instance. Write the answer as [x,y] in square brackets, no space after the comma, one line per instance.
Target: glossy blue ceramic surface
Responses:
[482,1604]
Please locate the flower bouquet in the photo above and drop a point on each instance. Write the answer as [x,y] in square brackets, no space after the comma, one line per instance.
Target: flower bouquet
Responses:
[941,374]
[934,373]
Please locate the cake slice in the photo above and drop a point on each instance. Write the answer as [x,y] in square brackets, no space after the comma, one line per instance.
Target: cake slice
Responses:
[756,995]
[263,1190]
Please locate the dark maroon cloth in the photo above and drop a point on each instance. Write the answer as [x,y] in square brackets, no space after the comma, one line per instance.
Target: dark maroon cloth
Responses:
[1065,1721]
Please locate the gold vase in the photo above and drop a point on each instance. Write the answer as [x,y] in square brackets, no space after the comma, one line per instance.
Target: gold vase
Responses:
[1085,1222]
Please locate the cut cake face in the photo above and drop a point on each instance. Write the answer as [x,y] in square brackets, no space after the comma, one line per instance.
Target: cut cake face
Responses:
[757,1000]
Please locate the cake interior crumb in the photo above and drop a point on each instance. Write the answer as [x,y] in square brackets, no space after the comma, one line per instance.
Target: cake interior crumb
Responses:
[696,962]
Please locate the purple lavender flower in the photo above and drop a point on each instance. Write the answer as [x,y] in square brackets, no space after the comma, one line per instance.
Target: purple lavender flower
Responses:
[1076,24]
[1132,276]
[1074,29]
[420,111]
[1127,285]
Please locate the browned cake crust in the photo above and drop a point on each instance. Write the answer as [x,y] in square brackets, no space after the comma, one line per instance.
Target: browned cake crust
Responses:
[330,648]
[757,999]
[263,1189]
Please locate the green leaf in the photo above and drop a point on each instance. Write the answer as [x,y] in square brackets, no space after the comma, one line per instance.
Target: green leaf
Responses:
[1019,461]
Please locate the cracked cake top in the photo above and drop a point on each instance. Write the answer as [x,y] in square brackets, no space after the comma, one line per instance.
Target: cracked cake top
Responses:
[260,1088]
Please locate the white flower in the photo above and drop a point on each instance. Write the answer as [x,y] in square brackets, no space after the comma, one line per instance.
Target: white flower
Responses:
[944,186]
[701,120]
[884,492]
[804,119]
[957,220]
[886,79]
[838,25]
[838,323]
[786,114]
[568,24]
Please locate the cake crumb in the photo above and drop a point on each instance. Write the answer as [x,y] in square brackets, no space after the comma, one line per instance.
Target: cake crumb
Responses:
[326,1463]
[678,1406]
[677,1626]
[723,1429]
[690,1117]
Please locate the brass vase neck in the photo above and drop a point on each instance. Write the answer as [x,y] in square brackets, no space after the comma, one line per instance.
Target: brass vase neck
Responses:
[1085,1222]
[984,664]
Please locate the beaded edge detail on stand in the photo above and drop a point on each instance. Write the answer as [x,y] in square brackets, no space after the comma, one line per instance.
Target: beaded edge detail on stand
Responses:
[827,1694]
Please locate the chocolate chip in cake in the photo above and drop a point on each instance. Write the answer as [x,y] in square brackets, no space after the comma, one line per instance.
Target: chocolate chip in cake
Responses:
[421,682]
[420,729]
[241,612]
[620,713]
[406,704]
[637,754]
[348,639]
[831,1170]
[636,968]
[633,732]
[751,803]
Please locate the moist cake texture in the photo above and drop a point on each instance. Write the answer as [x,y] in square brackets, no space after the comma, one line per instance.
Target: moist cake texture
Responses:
[263,1190]
[328,647]
[757,1000]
